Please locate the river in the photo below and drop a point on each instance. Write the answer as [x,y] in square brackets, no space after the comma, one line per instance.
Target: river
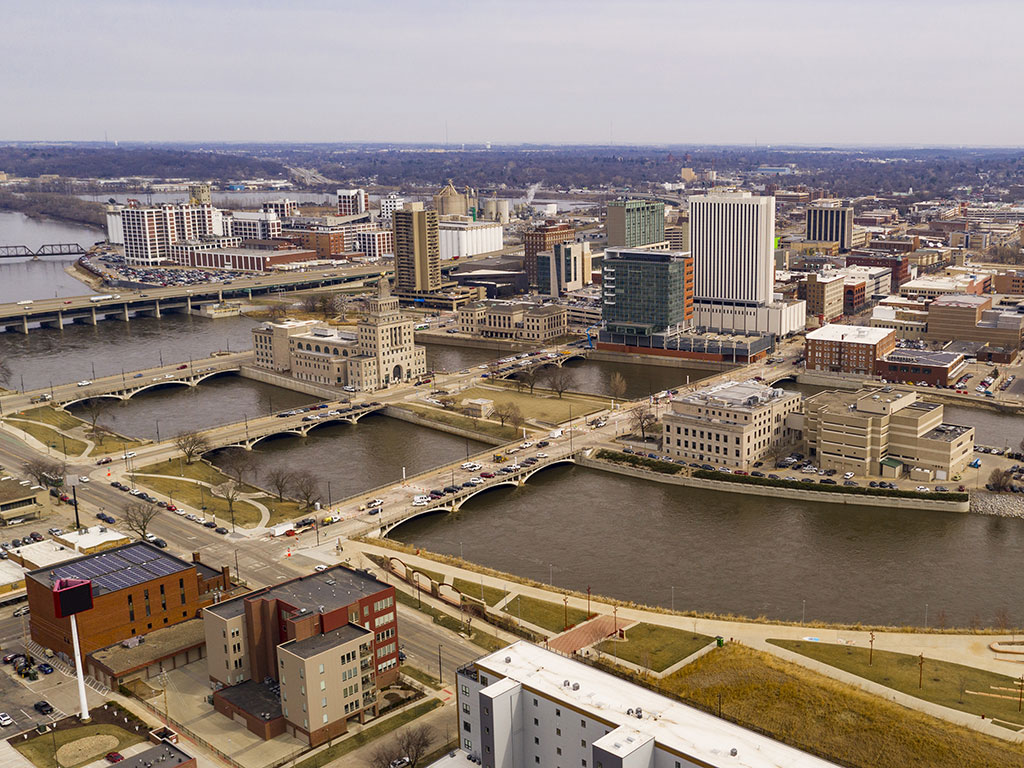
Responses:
[45,277]
[726,553]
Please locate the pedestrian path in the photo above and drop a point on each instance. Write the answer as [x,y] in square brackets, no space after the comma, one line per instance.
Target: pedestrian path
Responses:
[585,635]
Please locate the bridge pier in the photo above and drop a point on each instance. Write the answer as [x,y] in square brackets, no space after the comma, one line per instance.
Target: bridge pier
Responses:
[24,324]
[123,314]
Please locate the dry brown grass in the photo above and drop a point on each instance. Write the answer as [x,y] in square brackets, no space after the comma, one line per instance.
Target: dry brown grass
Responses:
[837,721]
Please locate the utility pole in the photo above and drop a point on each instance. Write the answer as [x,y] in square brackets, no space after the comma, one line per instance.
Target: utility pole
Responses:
[920,671]
[440,677]
[871,649]
[74,498]
[565,605]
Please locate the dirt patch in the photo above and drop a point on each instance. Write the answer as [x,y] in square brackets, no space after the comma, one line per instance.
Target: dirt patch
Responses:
[141,689]
[90,747]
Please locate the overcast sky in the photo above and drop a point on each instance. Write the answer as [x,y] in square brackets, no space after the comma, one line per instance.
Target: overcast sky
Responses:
[570,71]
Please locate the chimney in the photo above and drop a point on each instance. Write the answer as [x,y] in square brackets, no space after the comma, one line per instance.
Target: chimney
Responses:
[195,557]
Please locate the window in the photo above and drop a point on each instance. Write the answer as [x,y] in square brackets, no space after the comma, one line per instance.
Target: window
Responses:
[536,740]
[465,708]
[323,702]
[466,726]
[325,718]
[467,744]
[323,685]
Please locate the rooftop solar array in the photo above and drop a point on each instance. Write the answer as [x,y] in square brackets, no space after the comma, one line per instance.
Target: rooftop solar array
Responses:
[119,568]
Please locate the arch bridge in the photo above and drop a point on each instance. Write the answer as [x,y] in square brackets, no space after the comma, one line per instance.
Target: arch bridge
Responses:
[454,502]
[247,434]
[535,364]
[126,391]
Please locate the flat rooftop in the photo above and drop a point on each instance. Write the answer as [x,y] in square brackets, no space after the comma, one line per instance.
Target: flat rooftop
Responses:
[960,300]
[160,644]
[11,572]
[674,726]
[255,698]
[334,588]
[41,554]
[734,394]
[11,488]
[314,646]
[947,432]
[164,753]
[94,536]
[115,569]
[854,334]
[924,357]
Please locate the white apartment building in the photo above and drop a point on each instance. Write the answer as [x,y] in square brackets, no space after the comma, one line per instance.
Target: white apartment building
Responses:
[284,208]
[388,205]
[375,243]
[732,424]
[115,230]
[150,232]
[461,237]
[732,241]
[524,707]
[352,202]
[253,225]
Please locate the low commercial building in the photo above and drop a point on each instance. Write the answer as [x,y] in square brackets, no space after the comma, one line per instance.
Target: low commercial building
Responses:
[20,500]
[884,431]
[136,589]
[306,656]
[931,287]
[163,650]
[524,706]
[12,578]
[92,539]
[964,317]
[1011,281]
[840,348]
[732,424]
[917,366]
[519,322]
[249,259]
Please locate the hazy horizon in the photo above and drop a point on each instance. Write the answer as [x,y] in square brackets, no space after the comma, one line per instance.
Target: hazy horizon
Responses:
[793,74]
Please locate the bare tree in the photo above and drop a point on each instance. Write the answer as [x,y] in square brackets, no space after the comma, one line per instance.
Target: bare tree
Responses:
[280,480]
[447,402]
[415,742]
[1000,479]
[561,381]
[192,444]
[276,310]
[237,463]
[5,372]
[529,377]
[327,305]
[230,491]
[617,386]
[138,515]
[384,754]
[41,470]
[641,419]
[95,408]
[306,488]
[1003,620]
[502,412]
[515,416]
[310,302]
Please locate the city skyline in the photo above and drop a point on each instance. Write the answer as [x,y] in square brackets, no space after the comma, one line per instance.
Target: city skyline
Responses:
[836,78]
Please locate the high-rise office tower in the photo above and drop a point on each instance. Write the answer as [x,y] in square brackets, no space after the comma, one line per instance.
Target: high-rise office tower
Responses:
[635,223]
[352,202]
[830,220]
[644,291]
[417,249]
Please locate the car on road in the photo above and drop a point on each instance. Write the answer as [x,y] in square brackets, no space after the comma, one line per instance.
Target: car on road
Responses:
[45,668]
[848,476]
[487,475]
[130,455]
[452,489]
[159,543]
[374,503]
[541,455]
[5,720]
[400,762]
[43,707]
[421,502]
[209,524]
[527,444]
[220,529]
[191,517]
[23,611]
[104,460]
[374,511]
[182,367]
[114,757]
[321,567]
[543,444]
[476,481]
[84,383]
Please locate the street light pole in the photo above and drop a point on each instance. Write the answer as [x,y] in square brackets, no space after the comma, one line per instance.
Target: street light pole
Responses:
[158,430]
[440,677]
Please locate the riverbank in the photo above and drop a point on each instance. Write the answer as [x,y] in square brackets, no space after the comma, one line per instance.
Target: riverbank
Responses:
[65,208]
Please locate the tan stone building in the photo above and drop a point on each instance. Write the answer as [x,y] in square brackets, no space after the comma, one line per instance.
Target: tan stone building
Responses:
[520,322]
[824,295]
[885,431]
[380,353]
[972,318]
[417,249]
[733,424]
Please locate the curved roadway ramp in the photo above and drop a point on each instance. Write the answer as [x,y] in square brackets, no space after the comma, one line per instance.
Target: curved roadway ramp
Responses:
[586,634]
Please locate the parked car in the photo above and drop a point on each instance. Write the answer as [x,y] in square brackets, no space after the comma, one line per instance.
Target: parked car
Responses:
[45,668]
[43,707]
[114,757]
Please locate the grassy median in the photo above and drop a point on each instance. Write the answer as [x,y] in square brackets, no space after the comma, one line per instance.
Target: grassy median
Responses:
[835,721]
[546,407]
[459,421]
[655,647]
[69,446]
[490,595]
[551,616]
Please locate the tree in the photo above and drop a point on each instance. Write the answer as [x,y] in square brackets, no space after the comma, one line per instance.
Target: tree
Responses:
[617,386]
[192,444]
[327,305]
[306,488]
[41,470]
[276,310]
[280,480]
[230,491]
[5,372]
[138,515]
[237,462]
[562,380]
[502,412]
[94,408]
[529,377]
[384,754]
[310,302]
[1000,479]
[515,416]
[642,419]
[415,742]
[447,402]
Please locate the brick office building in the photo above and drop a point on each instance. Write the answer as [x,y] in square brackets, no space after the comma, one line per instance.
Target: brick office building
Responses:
[305,656]
[136,589]
[899,263]
[544,238]
[847,348]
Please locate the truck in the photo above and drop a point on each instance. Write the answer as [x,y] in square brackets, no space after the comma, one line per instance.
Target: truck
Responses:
[282,529]
[95,299]
[43,398]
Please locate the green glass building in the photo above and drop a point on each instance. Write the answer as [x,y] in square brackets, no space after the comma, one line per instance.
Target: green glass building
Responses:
[635,223]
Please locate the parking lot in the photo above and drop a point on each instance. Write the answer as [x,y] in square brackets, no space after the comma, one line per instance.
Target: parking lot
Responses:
[18,697]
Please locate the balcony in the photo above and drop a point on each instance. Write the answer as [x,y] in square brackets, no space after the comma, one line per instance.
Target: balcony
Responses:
[366,665]
[367,681]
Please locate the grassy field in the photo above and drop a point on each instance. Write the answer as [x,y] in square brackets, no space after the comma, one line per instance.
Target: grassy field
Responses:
[51,437]
[491,595]
[655,647]
[434,575]
[375,731]
[464,422]
[423,677]
[811,712]
[191,495]
[541,613]
[197,470]
[547,407]
[49,415]
[40,750]
[478,634]
[108,442]
[952,685]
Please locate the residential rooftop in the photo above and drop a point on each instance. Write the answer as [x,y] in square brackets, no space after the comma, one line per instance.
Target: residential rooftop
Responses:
[699,736]
[256,698]
[854,334]
[163,754]
[317,644]
[115,569]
